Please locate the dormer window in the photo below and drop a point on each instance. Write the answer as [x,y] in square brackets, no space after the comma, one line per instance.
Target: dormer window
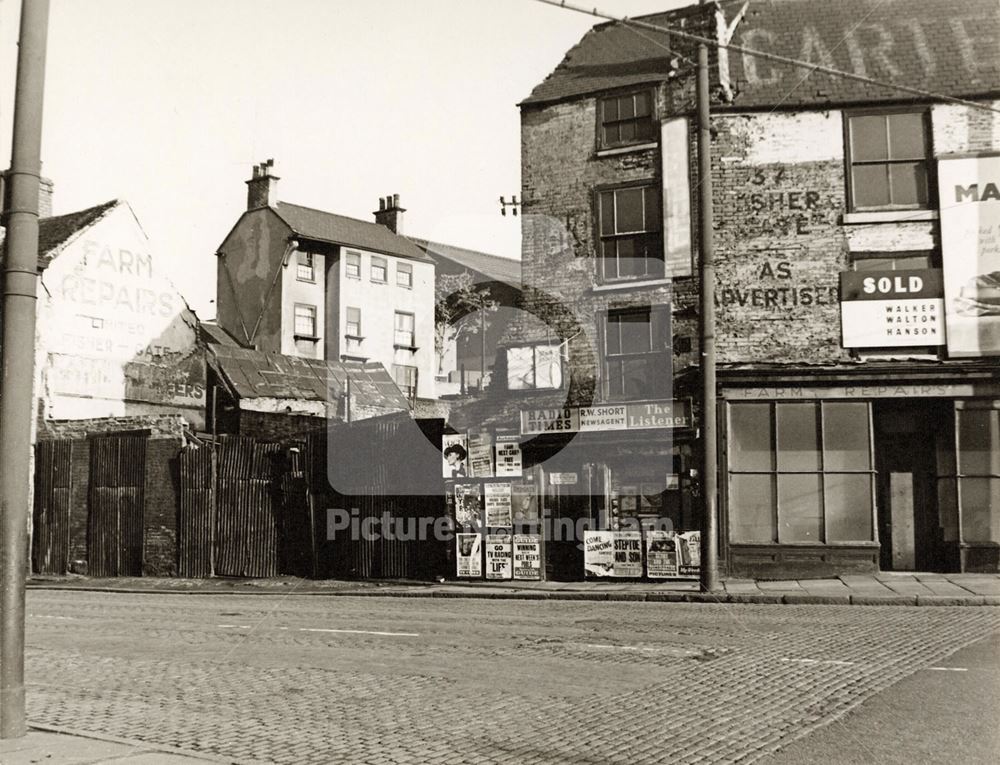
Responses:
[624,120]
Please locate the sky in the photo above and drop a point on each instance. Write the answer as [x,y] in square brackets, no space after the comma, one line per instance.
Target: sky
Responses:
[168,104]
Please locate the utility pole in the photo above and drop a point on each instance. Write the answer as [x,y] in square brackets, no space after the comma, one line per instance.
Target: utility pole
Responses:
[706,272]
[20,282]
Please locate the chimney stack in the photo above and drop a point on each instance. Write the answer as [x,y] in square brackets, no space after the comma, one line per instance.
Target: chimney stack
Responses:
[262,188]
[390,214]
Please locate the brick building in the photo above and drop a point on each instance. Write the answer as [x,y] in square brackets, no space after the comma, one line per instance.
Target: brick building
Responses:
[857,273]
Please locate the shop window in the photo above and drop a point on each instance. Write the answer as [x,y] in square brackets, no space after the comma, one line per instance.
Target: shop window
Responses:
[800,472]
[888,160]
[637,353]
[404,275]
[626,119]
[534,367]
[631,245]
[305,268]
[979,473]
[352,265]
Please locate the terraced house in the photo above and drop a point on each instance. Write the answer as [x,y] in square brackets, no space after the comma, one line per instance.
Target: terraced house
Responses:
[858,266]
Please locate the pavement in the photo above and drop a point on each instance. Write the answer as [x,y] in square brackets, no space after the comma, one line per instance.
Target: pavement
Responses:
[63,747]
[882,589]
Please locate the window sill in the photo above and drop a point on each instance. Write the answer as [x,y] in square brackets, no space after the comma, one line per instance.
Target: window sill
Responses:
[405,286]
[358,338]
[613,286]
[626,149]
[353,276]
[410,348]
[303,279]
[310,338]
[890,216]
[348,357]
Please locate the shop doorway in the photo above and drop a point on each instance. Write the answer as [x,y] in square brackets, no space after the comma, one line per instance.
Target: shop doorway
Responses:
[906,493]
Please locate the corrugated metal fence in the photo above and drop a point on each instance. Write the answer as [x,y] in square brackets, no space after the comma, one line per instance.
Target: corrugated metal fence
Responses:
[116,498]
[53,487]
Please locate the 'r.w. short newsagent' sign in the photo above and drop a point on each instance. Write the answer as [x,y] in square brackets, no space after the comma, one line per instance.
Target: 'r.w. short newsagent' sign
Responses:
[581,419]
[892,309]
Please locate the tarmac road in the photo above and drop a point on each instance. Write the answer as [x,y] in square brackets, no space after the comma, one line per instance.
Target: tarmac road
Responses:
[300,679]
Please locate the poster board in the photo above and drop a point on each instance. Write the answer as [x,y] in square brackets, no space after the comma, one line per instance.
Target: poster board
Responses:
[468,505]
[455,455]
[509,460]
[498,507]
[499,559]
[469,555]
[481,455]
[528,557]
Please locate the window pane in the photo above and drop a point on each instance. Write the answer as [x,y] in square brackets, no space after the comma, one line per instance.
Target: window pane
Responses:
[848,507]
[630,260]
[909,183]
[751,508]
[798,439]
[906,136]
[868,138]
[846,442]
[642,104]
[607,213]
[978,441]
[354,314]
[612,135]
[870,186]
[626,107]
[610,109]
[626,131]
[615,387]
[873,264]
[639,378]
[635,329]
[609,259]
[980,509]
[629,210]
[799,518]
[750,437]
[520,372]
[613,335]
[652,199]
[644,129]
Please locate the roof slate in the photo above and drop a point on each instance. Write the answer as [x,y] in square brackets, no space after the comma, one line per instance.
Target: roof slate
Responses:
[56,230]
[501,269]
[934,45]
[310,223]
[263,374]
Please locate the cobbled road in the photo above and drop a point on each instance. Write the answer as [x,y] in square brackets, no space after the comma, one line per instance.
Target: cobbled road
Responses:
[313,679]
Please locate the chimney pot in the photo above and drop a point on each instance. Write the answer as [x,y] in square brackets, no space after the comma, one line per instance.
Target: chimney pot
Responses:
[381,204]
[395,201]
[262,188]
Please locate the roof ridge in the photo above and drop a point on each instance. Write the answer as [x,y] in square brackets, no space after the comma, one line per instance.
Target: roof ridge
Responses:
[339,215]
[428,242]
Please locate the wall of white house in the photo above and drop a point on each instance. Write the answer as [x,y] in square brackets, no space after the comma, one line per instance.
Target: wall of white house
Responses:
[300,291]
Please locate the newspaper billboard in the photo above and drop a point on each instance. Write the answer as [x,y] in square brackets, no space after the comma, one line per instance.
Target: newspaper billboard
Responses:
[469,558]
[527,556]
[508,457]
[498,510]
[671,555]
[612,553]
[499,563]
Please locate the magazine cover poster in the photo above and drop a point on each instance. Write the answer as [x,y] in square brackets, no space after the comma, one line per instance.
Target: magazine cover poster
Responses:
[598,553]
[662,555]
[497,497]
[690,553]
[527,556]
[524,503]
[468,507]
[481,455]
[508,457]
[469,560]
[628,554]
[455,455]
[499,562]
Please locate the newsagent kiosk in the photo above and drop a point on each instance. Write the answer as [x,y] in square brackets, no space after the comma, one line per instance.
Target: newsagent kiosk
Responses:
[575,492]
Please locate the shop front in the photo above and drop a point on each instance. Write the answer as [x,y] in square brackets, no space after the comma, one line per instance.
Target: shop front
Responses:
[861,475]
[599,491]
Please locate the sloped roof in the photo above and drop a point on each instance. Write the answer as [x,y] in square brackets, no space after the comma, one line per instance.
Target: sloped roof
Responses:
[612,55]
[501,269]
[310,223]
[935,45]
[55,231]
[263,374]
[211,333]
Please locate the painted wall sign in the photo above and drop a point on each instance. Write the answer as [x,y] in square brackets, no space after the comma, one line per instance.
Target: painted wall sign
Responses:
[675,149]
[861,392]
[892,308]
[969,190]
[638,416]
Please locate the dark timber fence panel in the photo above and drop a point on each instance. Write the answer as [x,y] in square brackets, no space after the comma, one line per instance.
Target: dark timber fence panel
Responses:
[116,503]
[196,515]
[53,490]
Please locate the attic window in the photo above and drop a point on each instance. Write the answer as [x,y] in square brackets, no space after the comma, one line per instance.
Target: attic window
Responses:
[305,268]
[625,119]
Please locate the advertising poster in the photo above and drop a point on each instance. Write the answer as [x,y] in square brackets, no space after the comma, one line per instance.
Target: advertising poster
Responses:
[481,455]
[524,503]
[891,309]
[455,455]
[662,555]
[508,457]
[470,555]
[628,554]
[690,553]
[497,504]
[969,189]
[527,556]
[641,416]
[468,508]
[598,553]
[499,562]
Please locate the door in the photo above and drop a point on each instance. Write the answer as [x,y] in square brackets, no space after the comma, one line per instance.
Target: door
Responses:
[116,504]
[53,492]
[909,531]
